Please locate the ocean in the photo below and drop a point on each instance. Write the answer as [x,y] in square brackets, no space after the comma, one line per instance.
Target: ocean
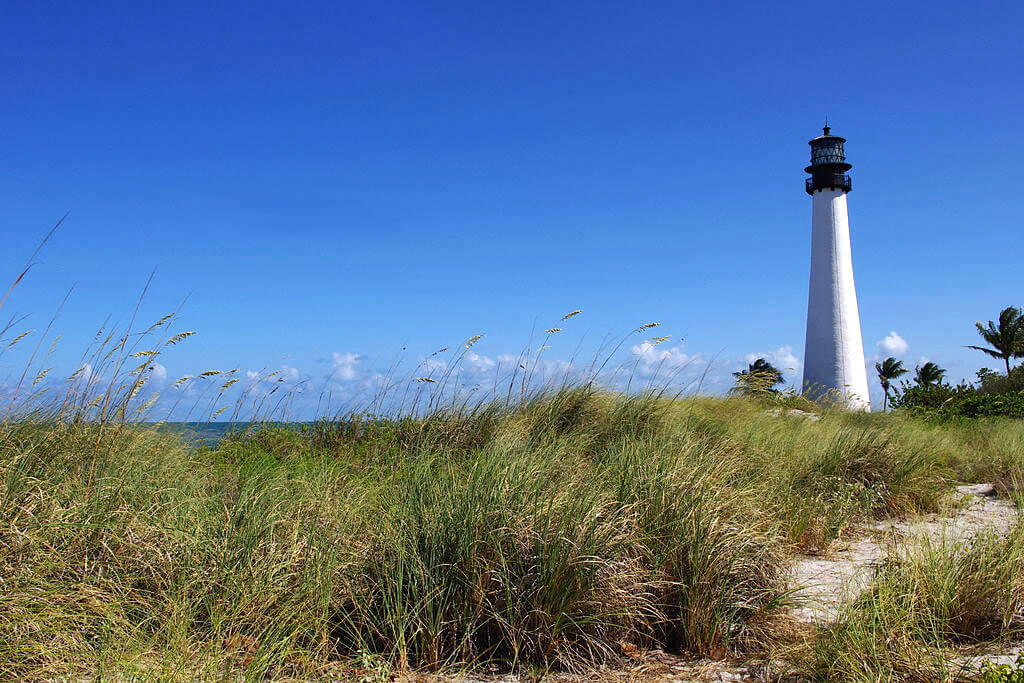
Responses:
[204,433]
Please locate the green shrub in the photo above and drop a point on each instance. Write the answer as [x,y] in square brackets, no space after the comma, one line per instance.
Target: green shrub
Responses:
[991,398]
[926,397]
[987,405]
[1003,673]
[991,382]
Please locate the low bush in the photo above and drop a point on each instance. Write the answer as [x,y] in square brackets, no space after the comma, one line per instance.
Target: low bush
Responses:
[1003,673]
[994,395]
[928,398]
[988,405]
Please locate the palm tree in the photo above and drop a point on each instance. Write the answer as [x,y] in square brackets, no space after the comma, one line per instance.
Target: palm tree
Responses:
[928,374]
[759,376]
[1006,338]
[888,370]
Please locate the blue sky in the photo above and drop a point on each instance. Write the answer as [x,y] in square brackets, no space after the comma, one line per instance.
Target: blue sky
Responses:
[329,181]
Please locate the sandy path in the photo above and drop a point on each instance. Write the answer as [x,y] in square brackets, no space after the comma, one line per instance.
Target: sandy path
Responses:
[825,584]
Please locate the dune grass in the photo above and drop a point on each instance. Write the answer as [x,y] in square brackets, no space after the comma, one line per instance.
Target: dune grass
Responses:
[555,532]
[929,597]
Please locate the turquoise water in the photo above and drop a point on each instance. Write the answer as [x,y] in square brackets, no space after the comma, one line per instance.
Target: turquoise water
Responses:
[210,433]
[205,433]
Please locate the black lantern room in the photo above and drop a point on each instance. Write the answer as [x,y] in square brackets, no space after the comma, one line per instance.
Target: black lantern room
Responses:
[828,164]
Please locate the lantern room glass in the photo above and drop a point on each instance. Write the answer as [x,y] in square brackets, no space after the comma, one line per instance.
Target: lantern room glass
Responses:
[827,151]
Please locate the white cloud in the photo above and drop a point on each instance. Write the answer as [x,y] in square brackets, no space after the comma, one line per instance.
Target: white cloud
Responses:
[159,372]
[84,373]
[431,365]
[663,366]
[653,355]
[479,363]
[893,344]
[782,358]
[344,366]
[285,373]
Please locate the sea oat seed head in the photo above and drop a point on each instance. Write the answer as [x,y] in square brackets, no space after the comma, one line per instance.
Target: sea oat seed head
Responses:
[179,337]
[20,337]
[149,404]
[161,321]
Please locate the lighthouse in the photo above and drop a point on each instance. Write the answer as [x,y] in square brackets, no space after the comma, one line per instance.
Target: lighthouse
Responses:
[834,351]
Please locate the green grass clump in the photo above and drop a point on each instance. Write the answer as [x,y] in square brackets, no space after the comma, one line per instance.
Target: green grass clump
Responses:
[821,477]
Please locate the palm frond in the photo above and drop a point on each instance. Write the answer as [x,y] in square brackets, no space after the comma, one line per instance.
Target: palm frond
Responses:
[991,352]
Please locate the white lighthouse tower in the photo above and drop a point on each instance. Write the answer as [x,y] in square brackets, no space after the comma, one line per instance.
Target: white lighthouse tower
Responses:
[834,351]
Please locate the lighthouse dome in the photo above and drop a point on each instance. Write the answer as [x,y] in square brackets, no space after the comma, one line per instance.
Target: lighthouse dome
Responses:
[827,149]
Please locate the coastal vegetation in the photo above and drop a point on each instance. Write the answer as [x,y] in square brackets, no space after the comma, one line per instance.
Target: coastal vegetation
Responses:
[561,532]
[992,394]
[557,528]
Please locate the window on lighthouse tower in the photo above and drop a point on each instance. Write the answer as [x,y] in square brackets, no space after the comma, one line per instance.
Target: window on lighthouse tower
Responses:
[828,151]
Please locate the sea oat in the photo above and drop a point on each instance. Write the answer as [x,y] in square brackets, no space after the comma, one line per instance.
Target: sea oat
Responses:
[473,340]
[136,388]
[179,337]
[148,404]
[161,321]
[571,314]
[20,337]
